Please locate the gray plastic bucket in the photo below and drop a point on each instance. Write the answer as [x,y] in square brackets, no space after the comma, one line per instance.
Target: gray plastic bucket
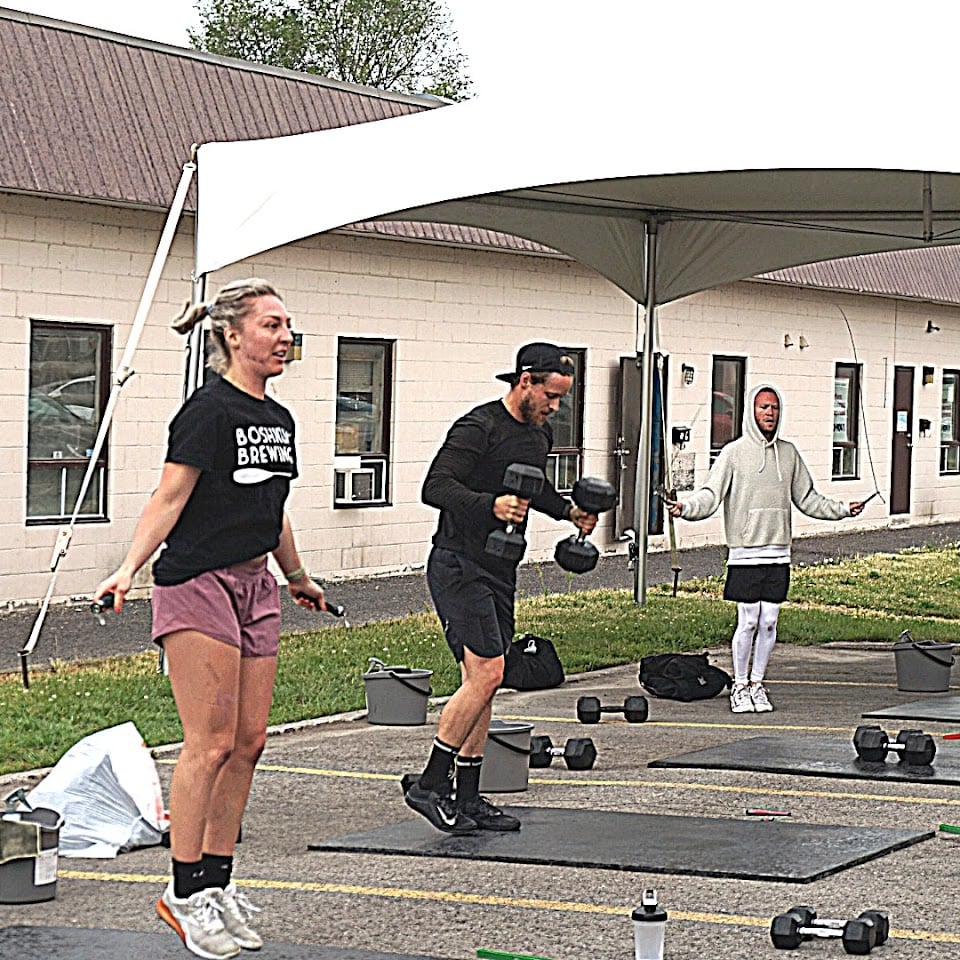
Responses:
[506,757]
[923,667]
[30,875]
[397,696]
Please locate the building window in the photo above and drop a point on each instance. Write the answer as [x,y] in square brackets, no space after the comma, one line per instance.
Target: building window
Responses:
[846,422]
[69,388]
[362,454]
[563,464]
[726,403]
[949,417]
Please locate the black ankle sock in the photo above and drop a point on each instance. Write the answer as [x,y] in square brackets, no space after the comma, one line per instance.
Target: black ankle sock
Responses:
[188,878]
[217,870]
[439,766]
[468,778]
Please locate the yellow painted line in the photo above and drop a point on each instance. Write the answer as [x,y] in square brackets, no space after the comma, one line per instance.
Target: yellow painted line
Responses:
[477,899]
[689,724]
[656,784]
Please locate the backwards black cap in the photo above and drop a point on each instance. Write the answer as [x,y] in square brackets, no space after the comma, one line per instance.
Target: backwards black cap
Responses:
[540,358]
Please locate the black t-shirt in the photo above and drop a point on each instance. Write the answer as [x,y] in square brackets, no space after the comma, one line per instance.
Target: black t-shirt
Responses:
[466,476]
[245,450]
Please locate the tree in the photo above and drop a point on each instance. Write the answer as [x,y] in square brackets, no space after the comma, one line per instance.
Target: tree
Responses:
[404,45]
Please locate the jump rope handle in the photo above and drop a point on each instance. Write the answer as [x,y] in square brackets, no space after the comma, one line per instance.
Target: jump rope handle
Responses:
[334,609]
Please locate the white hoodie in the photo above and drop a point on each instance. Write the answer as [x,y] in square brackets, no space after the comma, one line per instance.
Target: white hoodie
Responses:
[756,480]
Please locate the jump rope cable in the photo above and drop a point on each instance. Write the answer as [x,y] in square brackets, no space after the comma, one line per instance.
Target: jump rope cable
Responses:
[862,412]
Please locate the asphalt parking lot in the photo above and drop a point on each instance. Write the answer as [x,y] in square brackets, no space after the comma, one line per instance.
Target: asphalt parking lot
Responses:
[341,775]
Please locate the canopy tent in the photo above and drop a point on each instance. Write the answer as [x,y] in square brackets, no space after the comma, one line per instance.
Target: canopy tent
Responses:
[694,196]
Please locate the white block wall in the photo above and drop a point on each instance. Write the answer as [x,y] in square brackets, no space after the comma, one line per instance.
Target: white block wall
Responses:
[457,317]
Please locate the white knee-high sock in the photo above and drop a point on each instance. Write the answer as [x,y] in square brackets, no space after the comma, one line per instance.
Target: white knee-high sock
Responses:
[748,616]
[766,638]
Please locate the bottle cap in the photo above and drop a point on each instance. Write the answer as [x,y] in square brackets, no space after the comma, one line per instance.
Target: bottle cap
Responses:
[649,911]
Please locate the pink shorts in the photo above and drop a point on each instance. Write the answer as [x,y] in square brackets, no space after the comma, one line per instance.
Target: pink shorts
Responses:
[238,605]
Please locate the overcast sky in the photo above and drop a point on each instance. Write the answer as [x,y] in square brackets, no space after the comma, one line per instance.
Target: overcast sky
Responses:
[544,46]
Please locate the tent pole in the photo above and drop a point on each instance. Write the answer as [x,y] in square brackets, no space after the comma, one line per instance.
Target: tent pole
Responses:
[641,500]
[122,374]
[194,350]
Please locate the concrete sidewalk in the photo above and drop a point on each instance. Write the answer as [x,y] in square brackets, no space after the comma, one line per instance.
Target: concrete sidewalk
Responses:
[71,632]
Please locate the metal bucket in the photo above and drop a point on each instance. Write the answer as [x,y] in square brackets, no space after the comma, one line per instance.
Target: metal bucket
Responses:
[29,847]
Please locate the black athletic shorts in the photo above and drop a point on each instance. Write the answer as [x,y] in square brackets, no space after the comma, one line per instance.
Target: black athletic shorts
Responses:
[764,581]
[475,607]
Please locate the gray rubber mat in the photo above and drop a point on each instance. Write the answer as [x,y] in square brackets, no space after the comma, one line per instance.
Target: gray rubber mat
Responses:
[809,757]
[941,709]
[71,943]
[648,843]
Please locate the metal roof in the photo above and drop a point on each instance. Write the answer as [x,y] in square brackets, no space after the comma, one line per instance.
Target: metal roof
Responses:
[928,274]
[96,115]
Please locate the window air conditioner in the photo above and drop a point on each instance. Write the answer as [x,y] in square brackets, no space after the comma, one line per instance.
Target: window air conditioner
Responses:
[358,481]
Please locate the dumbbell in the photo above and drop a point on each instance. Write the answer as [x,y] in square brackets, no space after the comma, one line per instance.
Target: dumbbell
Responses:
[915,747]
[522,481]
[789,930]
[634,709]
[576,554]
[880,920]
[578,753]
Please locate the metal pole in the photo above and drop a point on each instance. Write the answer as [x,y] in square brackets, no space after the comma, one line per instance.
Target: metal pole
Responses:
[641,501]
[195,358]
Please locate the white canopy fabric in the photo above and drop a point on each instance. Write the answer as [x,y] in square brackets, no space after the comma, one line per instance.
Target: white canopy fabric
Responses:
[731,199]
[664,195]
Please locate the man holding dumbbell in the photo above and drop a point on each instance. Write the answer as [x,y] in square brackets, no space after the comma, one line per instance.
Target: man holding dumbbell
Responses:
[757,478]
[472,569]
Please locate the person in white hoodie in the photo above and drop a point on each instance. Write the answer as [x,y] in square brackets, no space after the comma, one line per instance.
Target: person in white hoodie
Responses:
[757,478]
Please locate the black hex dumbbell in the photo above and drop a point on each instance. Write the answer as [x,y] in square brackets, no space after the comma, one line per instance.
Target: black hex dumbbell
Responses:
[880,919]
[578,753]
[635,709]
[576,554]
[789,930]
[522,481]
[915,747]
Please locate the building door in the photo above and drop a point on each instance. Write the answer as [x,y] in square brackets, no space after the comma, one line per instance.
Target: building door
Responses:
[902,445]
[629,416]
[629,401]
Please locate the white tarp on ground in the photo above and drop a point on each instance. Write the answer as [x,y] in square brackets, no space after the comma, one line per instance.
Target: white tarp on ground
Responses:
[733,196]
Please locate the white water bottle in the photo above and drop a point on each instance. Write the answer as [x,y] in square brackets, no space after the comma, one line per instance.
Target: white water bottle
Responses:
[649,927]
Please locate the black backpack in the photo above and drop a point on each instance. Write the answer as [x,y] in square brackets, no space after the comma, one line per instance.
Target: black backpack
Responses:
[682,676]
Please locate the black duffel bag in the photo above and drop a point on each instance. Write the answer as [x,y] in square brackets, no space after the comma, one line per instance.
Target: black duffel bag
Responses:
[682,676]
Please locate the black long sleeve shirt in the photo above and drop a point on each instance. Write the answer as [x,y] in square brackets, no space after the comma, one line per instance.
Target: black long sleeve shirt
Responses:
[466,476]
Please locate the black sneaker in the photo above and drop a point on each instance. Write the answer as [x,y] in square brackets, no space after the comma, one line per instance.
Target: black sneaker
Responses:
[441,811]
[486,816]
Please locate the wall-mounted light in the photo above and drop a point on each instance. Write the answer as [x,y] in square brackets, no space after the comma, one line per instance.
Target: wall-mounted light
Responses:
[927,376]
[803,342]
[787,341]
[688,373]
[932,327]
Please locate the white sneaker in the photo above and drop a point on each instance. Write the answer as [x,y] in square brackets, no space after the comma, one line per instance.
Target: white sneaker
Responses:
[761,702]
[740,700]
[198,922]
[237,911]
